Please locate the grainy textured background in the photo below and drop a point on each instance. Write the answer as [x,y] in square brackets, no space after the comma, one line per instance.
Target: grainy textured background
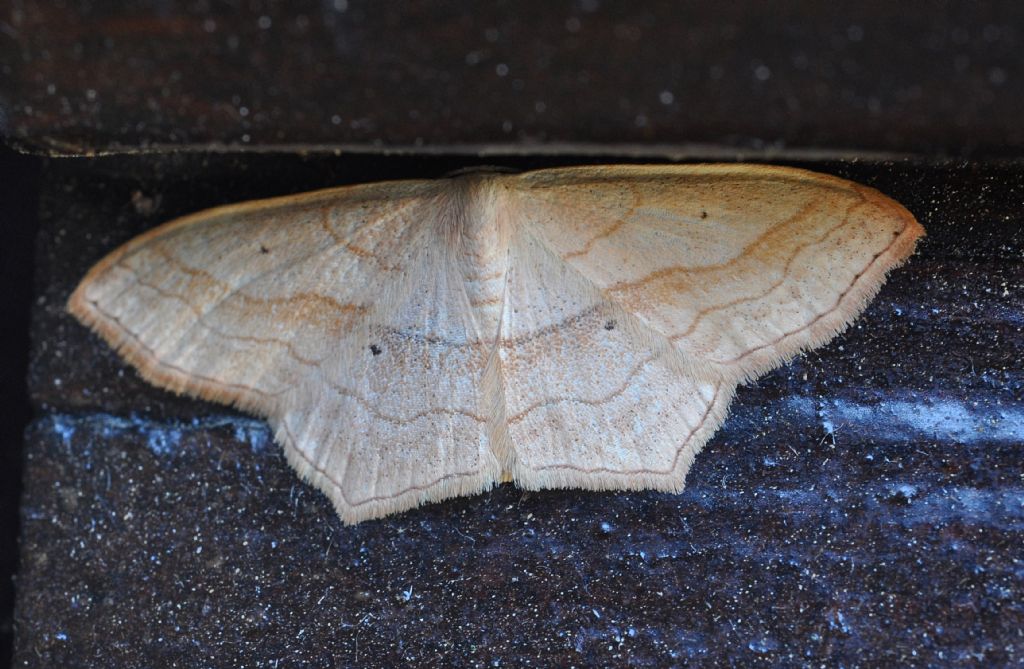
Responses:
[935,77]
[863,506]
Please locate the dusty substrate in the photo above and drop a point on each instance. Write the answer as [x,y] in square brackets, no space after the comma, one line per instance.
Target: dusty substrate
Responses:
[862,505]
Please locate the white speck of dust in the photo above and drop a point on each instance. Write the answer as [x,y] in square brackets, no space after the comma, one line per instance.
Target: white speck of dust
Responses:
[906,490]
[839,622]
[253,433]
[828,426]
[63,427]
[162,441]
[763,645]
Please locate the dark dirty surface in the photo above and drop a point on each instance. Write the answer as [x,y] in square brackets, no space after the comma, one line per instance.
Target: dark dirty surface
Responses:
[526,75]
[863,506]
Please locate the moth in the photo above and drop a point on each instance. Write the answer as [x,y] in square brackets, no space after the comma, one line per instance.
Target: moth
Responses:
[410,341]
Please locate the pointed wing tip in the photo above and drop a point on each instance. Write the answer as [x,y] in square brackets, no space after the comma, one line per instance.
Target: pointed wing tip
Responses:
[893,210]
[892,218]
[906,231]
[88,313]
[137,355]
[79,307]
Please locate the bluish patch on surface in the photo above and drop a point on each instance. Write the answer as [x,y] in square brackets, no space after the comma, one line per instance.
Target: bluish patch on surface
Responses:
[64,426]
[838,622]
[255,433]
[1003,509]
[905,420]
[763,644]
[162,438]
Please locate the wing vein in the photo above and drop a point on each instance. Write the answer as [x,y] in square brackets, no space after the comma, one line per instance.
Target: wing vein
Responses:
[774,286]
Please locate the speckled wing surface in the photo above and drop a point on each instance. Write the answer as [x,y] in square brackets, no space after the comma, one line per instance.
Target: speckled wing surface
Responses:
[415,340]
[334,314]
[675,283]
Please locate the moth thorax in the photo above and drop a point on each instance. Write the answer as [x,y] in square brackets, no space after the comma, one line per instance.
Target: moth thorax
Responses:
[482,248]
